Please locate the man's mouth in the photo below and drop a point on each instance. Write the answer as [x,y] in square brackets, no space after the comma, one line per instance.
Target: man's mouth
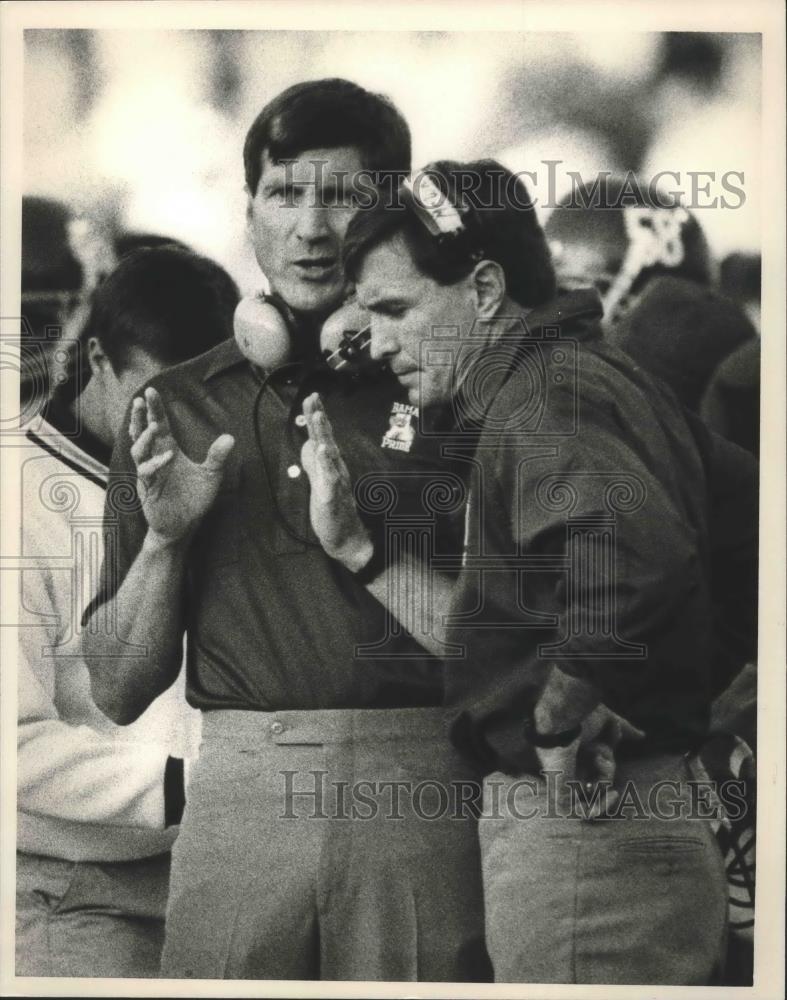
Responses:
[316,268]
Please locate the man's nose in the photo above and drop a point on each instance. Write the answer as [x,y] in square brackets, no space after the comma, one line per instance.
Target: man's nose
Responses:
[312,221]
[383,343]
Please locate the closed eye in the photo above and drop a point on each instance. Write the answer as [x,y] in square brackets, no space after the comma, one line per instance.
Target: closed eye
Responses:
[393,310]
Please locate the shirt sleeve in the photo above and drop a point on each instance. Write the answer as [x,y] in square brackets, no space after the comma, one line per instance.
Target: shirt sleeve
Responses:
[73,770]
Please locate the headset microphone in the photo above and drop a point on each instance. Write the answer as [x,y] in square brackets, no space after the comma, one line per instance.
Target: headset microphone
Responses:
[345,339]
[263,327]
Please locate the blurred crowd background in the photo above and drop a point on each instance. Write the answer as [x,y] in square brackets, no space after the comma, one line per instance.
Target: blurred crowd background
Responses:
[132,137]
[145,129]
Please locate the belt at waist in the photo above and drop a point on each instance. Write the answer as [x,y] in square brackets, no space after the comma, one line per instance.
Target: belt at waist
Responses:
[325,726]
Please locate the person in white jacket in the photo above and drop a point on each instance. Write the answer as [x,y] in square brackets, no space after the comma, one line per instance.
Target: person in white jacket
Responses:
[97,804]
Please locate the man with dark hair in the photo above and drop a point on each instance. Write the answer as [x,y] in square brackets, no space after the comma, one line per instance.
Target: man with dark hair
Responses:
[164,300]
[165,303]
[329,114]
[510,237]
[126,241]
[98,806]
[293,861]
[308,149]
[582,614]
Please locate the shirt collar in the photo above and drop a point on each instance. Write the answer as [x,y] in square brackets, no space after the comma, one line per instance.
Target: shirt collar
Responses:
[227,355]
[576,314]
[582,309]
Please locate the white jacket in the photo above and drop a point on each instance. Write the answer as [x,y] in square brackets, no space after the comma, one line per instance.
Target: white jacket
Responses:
[88,790]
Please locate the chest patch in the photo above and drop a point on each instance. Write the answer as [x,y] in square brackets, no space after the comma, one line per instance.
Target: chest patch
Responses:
[401,428]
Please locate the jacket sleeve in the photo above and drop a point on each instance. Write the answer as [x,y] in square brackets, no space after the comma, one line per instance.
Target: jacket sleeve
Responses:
[628,610]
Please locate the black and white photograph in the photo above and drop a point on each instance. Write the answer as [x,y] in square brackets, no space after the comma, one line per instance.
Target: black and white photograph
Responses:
[393,530]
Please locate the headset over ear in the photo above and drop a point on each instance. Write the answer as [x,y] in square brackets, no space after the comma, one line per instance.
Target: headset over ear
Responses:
[264,323]
[263,326]
[263,331]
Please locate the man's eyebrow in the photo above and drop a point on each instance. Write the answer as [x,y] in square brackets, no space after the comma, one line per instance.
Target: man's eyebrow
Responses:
[285,181]
[274,184]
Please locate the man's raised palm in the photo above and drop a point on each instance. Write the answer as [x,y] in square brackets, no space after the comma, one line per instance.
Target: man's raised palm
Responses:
[176,493]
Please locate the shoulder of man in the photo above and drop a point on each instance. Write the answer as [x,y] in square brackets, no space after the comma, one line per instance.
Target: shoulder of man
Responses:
[538,371]
[197,373]
[554,388]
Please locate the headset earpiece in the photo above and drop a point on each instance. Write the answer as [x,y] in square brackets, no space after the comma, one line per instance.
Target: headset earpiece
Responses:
[262,332]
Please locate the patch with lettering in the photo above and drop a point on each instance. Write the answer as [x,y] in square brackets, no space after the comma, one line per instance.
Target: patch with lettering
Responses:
[401,430]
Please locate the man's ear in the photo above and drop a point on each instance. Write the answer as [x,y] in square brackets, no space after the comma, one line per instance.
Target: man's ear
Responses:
[489,288]
[96,356]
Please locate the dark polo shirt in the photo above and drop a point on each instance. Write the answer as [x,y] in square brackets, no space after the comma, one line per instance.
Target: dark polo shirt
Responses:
[272,623]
